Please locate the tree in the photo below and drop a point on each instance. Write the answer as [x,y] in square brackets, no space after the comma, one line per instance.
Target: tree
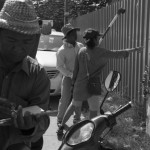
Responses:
[54,9]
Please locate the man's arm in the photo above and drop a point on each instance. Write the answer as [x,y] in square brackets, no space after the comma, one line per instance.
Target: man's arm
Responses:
[40,96]
[120,53]
[60,63]
[130,50]
[28,127]
[76,69]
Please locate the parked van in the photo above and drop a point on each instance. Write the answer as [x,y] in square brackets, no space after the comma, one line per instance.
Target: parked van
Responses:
[46,56]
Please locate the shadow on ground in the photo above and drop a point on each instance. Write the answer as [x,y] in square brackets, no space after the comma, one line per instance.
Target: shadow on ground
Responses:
[54,100]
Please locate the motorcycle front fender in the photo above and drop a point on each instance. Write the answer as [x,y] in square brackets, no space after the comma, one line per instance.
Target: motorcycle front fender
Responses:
[90,147]
[101,123]
[65,147]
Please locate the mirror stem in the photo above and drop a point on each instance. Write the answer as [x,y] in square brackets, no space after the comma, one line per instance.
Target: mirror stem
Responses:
[101,111]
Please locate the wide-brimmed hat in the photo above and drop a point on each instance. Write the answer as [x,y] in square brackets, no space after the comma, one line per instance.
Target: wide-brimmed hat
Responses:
[91,33]
[19,16]
[67,29]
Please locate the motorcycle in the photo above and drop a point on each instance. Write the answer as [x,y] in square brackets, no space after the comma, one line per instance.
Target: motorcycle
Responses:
[89,134]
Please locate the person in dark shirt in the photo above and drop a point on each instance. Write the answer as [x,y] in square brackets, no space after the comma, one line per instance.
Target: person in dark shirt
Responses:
[23,82]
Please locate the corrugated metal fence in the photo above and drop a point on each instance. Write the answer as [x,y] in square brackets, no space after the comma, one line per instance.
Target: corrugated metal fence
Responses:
[129,31]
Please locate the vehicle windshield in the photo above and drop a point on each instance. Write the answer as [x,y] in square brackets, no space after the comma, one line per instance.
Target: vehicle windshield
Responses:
[50,42]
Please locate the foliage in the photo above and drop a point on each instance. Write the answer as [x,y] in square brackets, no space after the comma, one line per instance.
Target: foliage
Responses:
[54,9]
[129,133]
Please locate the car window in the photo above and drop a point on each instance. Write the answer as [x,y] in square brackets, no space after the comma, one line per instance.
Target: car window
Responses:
[50,42]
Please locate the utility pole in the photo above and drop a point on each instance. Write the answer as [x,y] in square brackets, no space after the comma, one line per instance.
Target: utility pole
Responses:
[65,11]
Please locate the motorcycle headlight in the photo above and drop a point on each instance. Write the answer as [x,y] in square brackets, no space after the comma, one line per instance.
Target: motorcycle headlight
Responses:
[81,134]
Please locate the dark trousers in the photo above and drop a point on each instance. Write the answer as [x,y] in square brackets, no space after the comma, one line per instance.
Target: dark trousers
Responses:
[18,146]
[34,146]
[37,145]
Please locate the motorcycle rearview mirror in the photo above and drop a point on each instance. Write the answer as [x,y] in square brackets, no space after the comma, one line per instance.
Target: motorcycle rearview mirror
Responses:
[111,83]
[112,80]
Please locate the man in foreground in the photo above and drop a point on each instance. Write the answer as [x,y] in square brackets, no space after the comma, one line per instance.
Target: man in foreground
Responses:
[23,82]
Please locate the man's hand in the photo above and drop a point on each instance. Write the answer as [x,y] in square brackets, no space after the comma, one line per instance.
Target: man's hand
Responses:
[6,107]
[26,122]
[126,54]
[70,75]
[137,49]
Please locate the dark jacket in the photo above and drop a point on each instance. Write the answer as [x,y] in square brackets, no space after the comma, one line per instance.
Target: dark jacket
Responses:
[27,85]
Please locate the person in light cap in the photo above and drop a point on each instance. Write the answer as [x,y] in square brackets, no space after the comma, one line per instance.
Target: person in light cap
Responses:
[23,82]
[65,64]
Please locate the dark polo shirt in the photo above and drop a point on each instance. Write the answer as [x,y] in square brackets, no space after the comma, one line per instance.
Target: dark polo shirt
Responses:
[26,85]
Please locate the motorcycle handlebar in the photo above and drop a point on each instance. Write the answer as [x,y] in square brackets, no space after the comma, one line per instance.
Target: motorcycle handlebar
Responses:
[8,121]
[122,109]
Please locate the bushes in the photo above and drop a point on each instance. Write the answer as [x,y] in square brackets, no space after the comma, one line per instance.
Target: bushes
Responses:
[129,133]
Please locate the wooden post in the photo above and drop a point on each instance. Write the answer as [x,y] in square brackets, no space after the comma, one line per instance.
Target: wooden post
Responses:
[65,12]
